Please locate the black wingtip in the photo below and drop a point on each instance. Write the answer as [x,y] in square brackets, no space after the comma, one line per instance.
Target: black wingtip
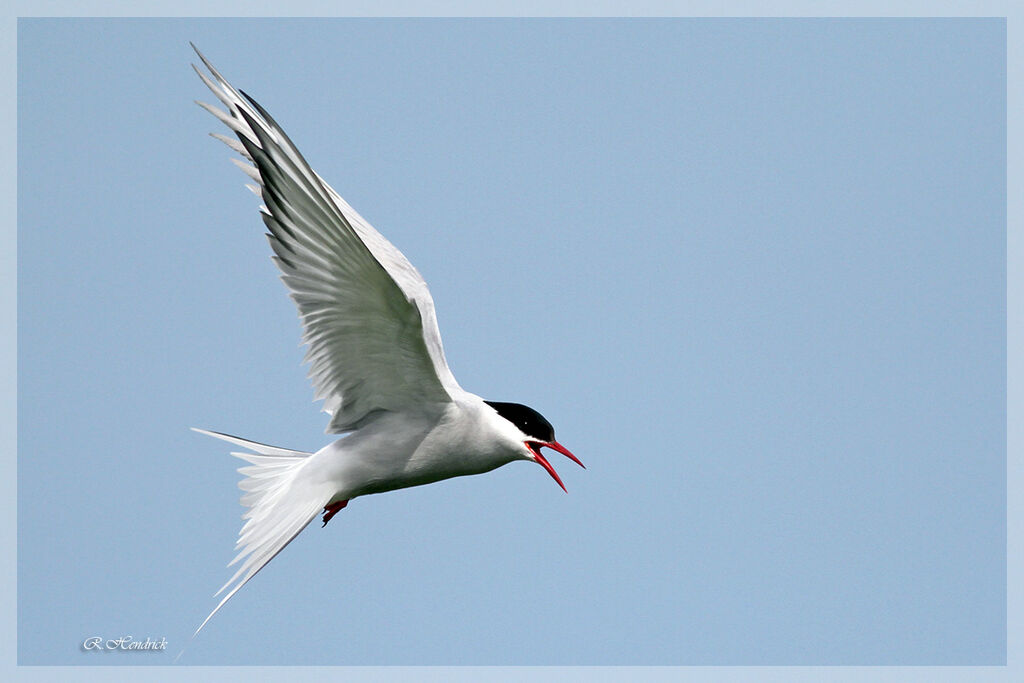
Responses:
[259,110]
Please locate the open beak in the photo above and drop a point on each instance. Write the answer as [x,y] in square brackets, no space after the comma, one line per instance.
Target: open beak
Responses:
[535,447]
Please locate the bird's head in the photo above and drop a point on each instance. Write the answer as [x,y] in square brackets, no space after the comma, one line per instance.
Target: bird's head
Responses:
[534,433]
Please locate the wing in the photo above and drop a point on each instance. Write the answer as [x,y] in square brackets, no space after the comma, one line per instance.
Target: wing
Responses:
[366,312]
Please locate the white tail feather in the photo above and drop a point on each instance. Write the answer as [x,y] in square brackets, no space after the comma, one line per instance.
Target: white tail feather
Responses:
[281,504]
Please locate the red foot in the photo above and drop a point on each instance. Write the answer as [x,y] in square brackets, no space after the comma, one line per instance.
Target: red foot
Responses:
[333,509]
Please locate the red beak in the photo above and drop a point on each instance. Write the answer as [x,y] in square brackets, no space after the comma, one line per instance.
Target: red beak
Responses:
[535,447]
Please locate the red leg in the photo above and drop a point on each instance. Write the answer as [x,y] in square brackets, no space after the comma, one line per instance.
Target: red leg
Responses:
[333,509]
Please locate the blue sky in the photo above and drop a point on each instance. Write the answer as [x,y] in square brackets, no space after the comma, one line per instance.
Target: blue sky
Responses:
[753,271]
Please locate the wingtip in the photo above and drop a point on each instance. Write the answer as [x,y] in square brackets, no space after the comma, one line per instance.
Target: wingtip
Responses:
[201,56]
[198,53]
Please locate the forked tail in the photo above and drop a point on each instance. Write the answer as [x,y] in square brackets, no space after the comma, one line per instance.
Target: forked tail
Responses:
[281,503]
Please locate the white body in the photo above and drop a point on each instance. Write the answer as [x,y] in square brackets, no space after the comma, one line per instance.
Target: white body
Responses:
[396,451]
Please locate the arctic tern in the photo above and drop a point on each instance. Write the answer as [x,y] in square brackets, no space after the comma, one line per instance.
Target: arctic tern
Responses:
[375,358]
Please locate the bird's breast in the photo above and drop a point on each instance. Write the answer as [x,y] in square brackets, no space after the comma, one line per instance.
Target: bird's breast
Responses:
[399,451]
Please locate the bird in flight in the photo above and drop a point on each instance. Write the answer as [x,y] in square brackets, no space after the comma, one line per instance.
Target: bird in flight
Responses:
[375,358]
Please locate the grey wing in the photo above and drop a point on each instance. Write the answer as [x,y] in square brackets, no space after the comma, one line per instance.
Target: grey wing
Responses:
[367,315]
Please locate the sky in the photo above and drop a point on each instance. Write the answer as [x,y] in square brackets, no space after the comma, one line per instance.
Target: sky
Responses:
[753,271]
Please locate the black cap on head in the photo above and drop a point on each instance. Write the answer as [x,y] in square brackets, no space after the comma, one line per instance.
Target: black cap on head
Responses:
[528,420]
